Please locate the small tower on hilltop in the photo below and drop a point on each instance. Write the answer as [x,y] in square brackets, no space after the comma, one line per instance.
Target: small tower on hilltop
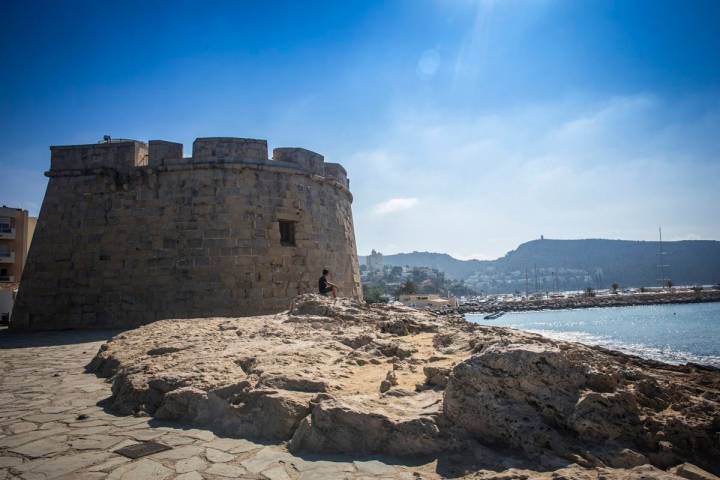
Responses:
[375,261]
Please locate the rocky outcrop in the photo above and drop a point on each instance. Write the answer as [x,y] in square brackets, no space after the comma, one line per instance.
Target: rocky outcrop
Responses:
[397,423]
[343,377]
[576,401]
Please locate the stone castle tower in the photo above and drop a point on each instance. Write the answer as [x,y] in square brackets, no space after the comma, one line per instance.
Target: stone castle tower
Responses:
[131,232]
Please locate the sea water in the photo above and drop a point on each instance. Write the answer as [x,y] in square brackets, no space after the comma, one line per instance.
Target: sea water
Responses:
[669,333]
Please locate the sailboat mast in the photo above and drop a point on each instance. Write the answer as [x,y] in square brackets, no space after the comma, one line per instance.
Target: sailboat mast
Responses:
[661,260]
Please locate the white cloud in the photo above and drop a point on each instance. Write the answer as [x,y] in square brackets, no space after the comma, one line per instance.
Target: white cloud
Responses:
[395,205]
[570,168]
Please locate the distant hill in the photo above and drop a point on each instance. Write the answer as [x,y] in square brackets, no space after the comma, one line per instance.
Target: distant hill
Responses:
[453,268]
[575,264]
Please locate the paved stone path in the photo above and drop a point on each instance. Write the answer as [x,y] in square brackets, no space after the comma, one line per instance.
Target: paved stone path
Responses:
[52,428]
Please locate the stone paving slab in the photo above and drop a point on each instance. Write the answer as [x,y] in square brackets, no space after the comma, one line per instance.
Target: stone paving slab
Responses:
[51,427]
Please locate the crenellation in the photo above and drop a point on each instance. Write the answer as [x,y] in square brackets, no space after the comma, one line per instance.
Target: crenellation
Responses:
[119,155]
[307,160]
[135,157]
[162,151]
[336,172]
[229,150]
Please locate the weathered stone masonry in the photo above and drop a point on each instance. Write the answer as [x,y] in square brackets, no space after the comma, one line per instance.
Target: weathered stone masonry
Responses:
[132,232]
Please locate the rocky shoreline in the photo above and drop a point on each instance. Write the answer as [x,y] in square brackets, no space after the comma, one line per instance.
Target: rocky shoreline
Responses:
[620,300]
[344,377]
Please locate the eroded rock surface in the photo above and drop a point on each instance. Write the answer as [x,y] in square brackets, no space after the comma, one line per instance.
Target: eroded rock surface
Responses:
[567,398]
[343,377]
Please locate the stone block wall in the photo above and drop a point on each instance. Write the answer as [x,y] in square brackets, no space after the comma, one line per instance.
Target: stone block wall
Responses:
[336,172]
[119,247]
[224,149]
[163,153]
[121,156]
[305,159]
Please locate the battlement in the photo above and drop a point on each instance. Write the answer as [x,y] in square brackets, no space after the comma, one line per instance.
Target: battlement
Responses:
[305,159]
[121,156]
[162,152]
[338,173]
[229,149]
[125,155]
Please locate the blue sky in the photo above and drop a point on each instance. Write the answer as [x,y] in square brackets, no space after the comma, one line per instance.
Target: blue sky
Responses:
[466,126]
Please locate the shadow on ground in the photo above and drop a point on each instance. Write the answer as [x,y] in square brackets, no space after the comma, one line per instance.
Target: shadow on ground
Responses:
[9,339]
[449,464]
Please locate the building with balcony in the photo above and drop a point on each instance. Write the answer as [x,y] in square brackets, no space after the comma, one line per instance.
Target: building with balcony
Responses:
[16,231]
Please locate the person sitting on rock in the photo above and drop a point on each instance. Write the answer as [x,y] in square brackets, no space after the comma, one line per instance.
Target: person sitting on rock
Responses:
[326,287]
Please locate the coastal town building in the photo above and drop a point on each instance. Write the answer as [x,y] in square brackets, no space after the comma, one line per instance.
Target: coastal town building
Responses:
[431,301]
[375,261]
[16,232]
[131,232]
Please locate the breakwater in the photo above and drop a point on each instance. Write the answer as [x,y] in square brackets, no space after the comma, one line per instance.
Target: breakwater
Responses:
[586,301]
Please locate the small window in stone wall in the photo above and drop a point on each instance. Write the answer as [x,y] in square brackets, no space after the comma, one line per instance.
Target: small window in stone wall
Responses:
[287,233]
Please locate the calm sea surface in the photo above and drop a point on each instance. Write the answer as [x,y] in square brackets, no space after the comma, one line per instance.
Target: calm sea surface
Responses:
[671,333]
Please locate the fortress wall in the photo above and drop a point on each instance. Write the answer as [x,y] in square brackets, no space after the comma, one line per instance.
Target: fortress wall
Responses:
[182,240]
